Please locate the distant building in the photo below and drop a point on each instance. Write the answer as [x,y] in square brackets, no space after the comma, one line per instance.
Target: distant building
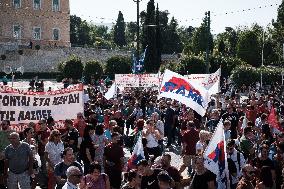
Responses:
[35,22]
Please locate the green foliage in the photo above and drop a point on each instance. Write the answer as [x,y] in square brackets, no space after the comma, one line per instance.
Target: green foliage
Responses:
[73,68]
[270,75]
[85,34]
[119,31]
[192,64]
[93,70]
[227,64]
[201,38]
[249,48]
[118,65]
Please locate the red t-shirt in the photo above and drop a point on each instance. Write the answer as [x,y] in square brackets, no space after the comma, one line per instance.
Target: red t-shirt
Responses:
[190,138]
[80,126]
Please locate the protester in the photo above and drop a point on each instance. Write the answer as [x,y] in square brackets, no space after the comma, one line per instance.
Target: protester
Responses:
[18,163]
[53,151]
[114,160]
[132,180]
[60,168]
[149,175]
[248,176]
[73,178]
[95,179]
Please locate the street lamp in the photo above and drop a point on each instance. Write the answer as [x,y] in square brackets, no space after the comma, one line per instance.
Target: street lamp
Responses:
[138,30]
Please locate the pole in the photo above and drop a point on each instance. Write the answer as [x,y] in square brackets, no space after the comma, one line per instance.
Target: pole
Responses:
[208,38]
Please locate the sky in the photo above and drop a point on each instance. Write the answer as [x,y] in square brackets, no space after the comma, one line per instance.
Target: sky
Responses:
[224,13]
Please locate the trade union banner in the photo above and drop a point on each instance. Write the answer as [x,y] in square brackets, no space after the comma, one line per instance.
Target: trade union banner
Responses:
[210,82]
[190,93]
[24,107]
[137,80]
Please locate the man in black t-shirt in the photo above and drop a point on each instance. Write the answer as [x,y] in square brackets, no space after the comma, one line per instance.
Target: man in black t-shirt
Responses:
[169,122]
[149,175]
[71,136]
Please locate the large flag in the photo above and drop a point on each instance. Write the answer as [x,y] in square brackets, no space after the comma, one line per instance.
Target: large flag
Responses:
[272,120]
[191,94]
[215,157]
[138,152]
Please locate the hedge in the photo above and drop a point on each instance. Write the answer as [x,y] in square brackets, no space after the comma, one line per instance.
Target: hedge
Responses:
[248,75]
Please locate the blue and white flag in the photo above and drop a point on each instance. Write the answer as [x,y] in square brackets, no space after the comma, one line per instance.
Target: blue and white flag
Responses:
[215,157]
[138,65]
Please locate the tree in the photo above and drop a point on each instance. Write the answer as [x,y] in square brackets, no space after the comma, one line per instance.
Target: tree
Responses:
[119,31]
[149,39]
[73,68]
[201,38]
[172,42]
[248,48]
[93,70]
[131,29]
[118,65]
[192,65]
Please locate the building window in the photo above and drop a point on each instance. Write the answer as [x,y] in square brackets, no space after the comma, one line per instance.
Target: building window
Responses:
[17,4]
[37,4]
[55,5]
[37,33]
[17,31]
[55,34]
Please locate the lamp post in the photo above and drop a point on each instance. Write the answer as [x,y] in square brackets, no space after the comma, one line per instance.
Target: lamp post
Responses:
[138,30]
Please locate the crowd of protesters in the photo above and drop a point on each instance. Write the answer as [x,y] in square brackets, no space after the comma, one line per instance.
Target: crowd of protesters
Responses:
[89,152]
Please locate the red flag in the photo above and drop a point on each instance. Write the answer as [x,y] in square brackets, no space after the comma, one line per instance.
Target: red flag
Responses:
[272,120]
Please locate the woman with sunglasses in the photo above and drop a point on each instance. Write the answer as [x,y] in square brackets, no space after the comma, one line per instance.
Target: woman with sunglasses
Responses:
[53,151]
[95,179]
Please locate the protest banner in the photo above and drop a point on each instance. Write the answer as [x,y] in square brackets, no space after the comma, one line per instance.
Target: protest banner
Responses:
[20,107]
[137,80]
[210,82]
[191,94]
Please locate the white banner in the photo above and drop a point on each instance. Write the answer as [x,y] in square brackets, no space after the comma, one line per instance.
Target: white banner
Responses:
[210,82]
[191,94]
[137,80]
[24,107]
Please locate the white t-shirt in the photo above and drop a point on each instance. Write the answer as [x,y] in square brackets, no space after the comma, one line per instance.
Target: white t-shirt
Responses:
[54,151]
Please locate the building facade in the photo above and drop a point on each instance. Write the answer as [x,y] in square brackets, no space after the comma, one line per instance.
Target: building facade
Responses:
[35,22]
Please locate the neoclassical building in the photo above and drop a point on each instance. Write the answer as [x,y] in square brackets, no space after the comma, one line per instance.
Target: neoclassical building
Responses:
[42,22]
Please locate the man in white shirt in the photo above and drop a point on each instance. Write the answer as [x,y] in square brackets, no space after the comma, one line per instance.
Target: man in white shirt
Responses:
[238,159]
[74,176]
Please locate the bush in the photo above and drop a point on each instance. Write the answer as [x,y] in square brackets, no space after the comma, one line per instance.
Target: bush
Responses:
[118,65]
[192,64]
[93,69]
[73,68]
[247,75]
